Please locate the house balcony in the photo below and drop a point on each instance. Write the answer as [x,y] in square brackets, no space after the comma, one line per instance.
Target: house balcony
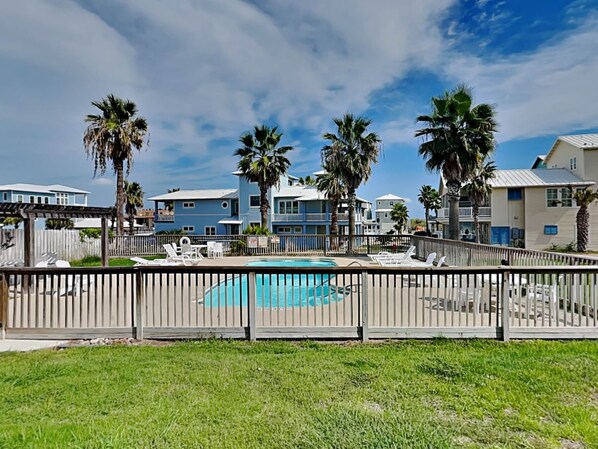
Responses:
[466,213]
[164,218]
[308,217]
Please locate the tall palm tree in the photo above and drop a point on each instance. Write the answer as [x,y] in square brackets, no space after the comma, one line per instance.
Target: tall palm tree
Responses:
[263,161]
[479,190]
[111,136]
[583,198]
[455,137]
[330,184]
[133,200]
[430,199]
[350,154]
[399,214]
[169,205]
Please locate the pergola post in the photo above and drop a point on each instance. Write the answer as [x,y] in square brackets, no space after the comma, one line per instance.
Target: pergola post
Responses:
[104,242]
[29,242]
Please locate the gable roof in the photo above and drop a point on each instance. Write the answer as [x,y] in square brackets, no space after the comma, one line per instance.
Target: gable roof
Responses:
[40,188]
[207,194]
[536,178]
[390,196]
[581,141]
[305,193]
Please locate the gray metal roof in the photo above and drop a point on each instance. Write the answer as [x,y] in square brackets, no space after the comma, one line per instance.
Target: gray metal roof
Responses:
[536,178]
[208,194]
[40,188]
[581,140]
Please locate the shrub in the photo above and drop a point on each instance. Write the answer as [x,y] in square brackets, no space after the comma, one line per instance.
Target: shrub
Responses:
[256,230]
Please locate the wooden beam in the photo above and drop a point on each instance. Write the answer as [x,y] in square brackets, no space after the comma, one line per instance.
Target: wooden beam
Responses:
[104,241]
[3,306]
[29,242]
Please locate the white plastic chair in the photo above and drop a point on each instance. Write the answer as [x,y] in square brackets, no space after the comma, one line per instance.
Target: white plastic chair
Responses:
[210,249]
[217,250]
[184,259]
[441,261]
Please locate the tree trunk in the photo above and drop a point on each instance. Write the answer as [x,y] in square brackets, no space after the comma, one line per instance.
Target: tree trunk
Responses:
[475,209]
[351,201]
[583,223]
[120,197]
[454,194]
[334,224]
[131,224]
[264,206]
[427,212]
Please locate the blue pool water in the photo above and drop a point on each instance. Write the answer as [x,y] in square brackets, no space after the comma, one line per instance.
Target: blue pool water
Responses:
[278,290]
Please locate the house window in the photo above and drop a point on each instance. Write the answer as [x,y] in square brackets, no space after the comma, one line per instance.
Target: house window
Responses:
[189,205]
[19,198]
[47,200]
[39,200]
[573,163]
[551,229]
[385,215]
[62,198]
[288,207]
[298,230]
[515,194]
[32,199]
[210,230]
[559,197]
[254,201]
[5,196]
[189,228]
[225,205]
[284,230]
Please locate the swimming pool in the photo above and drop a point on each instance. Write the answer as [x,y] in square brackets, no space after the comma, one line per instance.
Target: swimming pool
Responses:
[278,290]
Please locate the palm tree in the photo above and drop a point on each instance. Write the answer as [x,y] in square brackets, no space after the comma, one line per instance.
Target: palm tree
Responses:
[307,181]
[479,190]
[15,222]
[111,137]
[133,200]
[59,223]
[455,137]
[583,198]
[430,199]
[332,186]
[169,205]
[399,214]
[261,161]
[350,154]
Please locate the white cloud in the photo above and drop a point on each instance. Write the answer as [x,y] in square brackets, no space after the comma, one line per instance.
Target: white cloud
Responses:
[551,90]
[103,182]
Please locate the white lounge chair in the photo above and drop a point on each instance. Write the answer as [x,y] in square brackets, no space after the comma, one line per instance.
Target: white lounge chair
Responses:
[396,258]
[414,263]
[185,259]
[441,261]
[140,261]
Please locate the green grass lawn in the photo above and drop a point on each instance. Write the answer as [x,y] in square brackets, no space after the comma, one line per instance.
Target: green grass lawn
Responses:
[221,394]
[95,261]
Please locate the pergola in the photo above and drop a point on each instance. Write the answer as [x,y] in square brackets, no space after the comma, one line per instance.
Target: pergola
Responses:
[29,212]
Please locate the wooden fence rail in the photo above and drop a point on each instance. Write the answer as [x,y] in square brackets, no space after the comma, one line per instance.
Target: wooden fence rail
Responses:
[282,302]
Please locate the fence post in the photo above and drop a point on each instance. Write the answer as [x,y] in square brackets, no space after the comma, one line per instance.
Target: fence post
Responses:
[139,305]
[251,305]
[365,336]
[504,311]
[3,306]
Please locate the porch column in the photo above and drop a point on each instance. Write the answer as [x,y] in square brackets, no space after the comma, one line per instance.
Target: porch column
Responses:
[104,242]
[29,242]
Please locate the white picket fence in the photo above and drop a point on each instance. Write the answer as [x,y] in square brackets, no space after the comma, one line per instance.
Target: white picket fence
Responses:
[66,244]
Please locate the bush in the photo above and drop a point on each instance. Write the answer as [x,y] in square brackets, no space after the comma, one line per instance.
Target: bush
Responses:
[87,234]
[256,230]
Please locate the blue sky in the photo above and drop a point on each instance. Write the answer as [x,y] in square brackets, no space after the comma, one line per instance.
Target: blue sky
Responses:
[203,72]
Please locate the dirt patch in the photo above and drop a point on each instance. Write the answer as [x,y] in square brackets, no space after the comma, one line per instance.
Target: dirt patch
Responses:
[114,342]
[570,444]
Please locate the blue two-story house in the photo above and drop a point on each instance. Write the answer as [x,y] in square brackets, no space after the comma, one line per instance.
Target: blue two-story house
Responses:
[41,194]
[294,209]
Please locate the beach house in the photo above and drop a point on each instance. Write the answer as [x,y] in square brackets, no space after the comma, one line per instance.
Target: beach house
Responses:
[294,209]
[534,208]
[43,194]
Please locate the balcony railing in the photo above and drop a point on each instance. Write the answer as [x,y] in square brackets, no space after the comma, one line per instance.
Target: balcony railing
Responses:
[465,212]
[164,218]
[312,217]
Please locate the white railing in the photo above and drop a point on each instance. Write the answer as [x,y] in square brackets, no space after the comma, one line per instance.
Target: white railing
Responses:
[291,302]
[312,217]
[164,218]
[465,212]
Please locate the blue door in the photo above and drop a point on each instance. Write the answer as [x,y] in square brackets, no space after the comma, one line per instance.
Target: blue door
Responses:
[500,235]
